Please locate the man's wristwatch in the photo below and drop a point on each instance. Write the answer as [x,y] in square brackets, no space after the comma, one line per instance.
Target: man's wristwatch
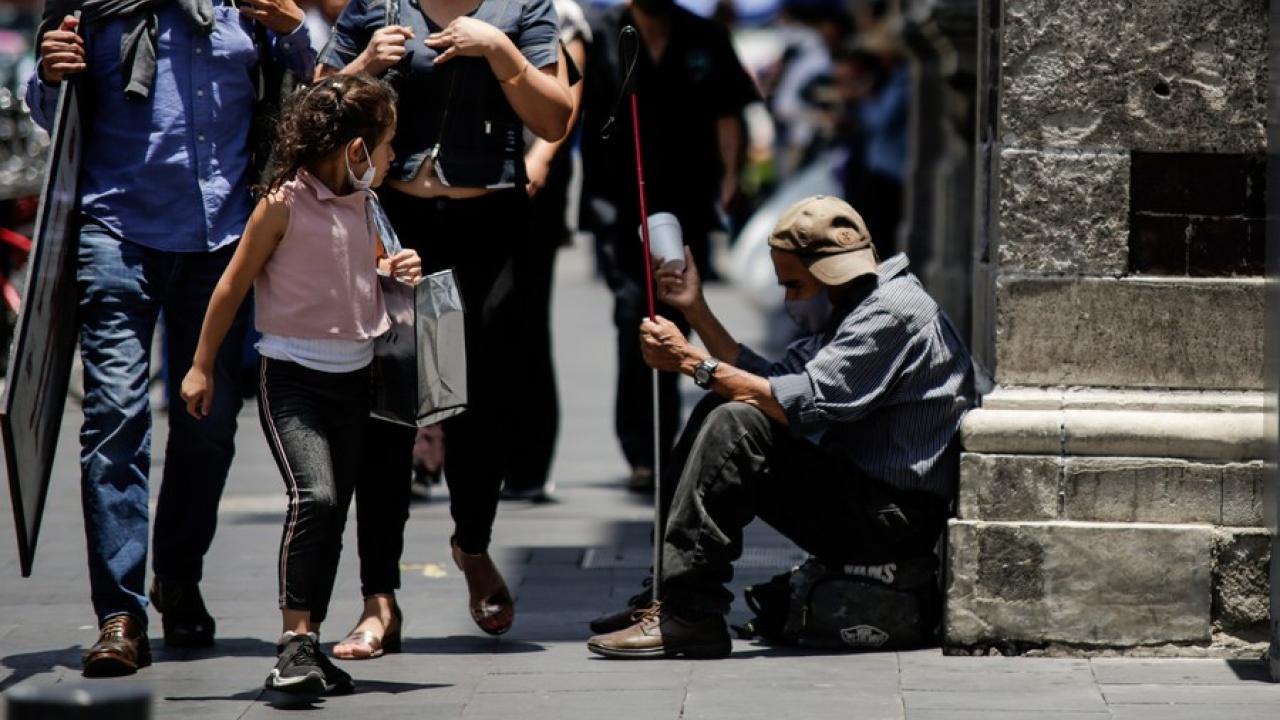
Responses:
[705,372]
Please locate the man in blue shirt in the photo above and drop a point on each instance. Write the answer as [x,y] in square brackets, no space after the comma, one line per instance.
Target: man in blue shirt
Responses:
[167,89]
[845,444]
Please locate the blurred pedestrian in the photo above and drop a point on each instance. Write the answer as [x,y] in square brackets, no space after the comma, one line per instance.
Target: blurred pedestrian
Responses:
[692,90]
[164,195]
[312,257]
[550,167]
[875,81]
[321,15]
[470,78]
[812,30]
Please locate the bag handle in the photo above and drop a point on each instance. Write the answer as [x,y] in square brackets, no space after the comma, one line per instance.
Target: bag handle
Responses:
[380,225]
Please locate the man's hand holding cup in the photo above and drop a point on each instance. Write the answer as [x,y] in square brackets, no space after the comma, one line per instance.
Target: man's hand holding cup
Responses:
[679,286]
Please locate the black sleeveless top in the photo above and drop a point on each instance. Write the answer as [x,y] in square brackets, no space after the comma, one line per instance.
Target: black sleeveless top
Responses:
[459,106]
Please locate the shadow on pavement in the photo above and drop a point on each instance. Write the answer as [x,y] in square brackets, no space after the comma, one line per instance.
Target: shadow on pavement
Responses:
[1250,670]
[26,665]
[284,701]
[225,647]
[389,687]
[466,645]
[251,694]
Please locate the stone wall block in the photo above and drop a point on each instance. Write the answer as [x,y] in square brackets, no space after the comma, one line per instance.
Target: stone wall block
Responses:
[1092,584]
[1142,490]
[997,487]
[1241,580]
[1174,75]
[1243,495]
[1064,213]
[1203,334]
[1008,487]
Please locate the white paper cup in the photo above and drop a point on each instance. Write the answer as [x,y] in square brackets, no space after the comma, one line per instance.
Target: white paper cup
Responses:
[666,241]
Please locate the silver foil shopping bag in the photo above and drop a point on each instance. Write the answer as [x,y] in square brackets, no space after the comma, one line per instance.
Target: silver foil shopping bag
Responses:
[420,364]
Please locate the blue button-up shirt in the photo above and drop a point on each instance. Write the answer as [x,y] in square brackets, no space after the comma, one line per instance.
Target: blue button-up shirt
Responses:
[884,386]
[172,172]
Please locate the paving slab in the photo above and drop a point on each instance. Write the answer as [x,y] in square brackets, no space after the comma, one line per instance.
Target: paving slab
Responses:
[1178,671]
[1004,715]
[1011,696]
[1235,694]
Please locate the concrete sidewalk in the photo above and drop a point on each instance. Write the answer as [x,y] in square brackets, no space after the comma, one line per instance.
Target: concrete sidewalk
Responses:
[566,562]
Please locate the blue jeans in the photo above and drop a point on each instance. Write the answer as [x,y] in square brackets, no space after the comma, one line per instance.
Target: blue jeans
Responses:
[123,288]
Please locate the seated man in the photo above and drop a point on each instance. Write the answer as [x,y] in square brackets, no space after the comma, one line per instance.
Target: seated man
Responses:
[844,445]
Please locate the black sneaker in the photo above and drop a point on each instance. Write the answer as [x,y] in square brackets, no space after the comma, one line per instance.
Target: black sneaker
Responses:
[336,680]
[299,670]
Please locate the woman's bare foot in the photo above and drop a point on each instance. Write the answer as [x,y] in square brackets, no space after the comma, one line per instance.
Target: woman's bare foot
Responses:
[377,632]
[492,607]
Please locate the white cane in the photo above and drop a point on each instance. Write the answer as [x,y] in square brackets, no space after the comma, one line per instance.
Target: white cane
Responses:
[657,409]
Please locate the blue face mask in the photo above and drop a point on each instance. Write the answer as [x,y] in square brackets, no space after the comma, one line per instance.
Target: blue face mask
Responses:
[811,313]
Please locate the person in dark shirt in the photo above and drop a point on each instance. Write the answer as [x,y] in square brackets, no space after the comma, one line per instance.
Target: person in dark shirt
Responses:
[550,167]
[692,90]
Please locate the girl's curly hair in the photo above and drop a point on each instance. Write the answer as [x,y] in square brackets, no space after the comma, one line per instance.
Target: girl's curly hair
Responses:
[317,121]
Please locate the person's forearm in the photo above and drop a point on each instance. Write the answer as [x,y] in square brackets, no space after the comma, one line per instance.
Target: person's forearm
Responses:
[223,307]
[719,342]
[541,151]
[729,135]
[544,151]
[739,385]
[540,99]
[359,65]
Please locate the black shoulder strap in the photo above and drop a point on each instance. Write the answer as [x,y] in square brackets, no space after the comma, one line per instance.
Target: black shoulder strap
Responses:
[628,56]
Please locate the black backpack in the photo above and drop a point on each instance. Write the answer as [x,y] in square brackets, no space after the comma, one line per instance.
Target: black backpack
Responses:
[852,607]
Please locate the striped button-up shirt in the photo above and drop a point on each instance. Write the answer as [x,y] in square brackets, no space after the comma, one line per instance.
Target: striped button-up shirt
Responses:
[884,386]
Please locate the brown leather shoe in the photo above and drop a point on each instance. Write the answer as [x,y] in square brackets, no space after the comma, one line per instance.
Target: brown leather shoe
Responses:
[658,633]
[121,649]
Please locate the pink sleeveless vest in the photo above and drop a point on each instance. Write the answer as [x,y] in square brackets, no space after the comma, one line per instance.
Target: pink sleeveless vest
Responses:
[322,281]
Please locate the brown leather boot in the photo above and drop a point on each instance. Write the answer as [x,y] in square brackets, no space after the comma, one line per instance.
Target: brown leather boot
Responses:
[121,649]
[661,633]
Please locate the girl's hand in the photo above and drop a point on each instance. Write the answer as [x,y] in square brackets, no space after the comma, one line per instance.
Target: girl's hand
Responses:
[197,392]
[465,36]
[386,48]
[406,267]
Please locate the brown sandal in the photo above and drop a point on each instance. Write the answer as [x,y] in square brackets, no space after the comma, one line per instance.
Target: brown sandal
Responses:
[492,607]
[377,646]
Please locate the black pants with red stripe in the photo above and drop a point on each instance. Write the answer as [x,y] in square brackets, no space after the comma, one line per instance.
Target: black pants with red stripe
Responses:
[315,426]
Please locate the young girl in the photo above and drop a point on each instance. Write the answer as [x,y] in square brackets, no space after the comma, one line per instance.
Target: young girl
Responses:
[312,256]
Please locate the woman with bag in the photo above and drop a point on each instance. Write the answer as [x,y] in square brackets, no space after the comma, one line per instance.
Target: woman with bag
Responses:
[471,74]
[312,255]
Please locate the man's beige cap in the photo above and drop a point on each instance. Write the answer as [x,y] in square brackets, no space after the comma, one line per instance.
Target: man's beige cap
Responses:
[829,236]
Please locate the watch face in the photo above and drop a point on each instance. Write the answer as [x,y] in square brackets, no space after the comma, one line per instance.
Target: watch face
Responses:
[702,373]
